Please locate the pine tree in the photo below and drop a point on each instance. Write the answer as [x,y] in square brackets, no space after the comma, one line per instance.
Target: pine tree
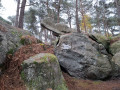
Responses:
[17,13]
[85,24]
[20,25]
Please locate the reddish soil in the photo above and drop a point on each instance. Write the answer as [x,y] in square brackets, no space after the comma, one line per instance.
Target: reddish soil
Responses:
[11,80]
[80,84]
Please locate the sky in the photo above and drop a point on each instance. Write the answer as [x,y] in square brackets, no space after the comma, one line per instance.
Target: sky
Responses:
[9,8]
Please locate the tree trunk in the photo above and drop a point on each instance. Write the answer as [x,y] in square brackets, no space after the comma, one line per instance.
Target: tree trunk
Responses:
[47,3]
[98,23]
[117,2]
[83,16]
[58,11]
[118,7]
[77,23]
[22,14]
[104,22]
[17,13]
[69,17]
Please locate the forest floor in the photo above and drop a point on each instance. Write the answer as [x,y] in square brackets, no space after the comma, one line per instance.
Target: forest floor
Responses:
[81,84]
[11,80]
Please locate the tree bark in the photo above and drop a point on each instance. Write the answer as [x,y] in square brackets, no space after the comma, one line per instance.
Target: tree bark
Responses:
[118,7]
[77,23]
[17,13]
[47,3]
[117,2]
[58,11]
[22,14]
[83,16]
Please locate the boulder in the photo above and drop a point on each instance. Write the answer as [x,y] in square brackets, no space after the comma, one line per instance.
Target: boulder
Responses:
[63,28]
[115,47]
[42,72]
[116,65]
[101,39]
[9,40]
[57,28]
[82,57]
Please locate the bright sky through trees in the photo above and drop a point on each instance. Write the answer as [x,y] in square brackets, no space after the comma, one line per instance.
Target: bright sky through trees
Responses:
[9,8]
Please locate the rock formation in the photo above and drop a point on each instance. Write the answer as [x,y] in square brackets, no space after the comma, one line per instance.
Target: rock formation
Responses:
[9,40]
[82,57]
[58,28]
[42,72]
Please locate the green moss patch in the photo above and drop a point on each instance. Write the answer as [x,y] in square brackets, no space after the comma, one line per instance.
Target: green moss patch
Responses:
[11,51]
[115,47]
[47,58]
[105,41]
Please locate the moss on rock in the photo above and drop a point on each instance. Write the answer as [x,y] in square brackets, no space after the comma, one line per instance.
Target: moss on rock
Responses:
[41,72]
[101,39]
[11,51]
[115,47]
[27,40]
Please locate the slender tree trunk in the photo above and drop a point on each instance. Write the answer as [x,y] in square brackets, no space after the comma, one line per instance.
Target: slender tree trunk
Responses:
[70,24]
[117,2]
[77,23]
[118,7]
[17,13]
[69,17]
[83,17]
[47,3]
[45,35]
[104,22]
[98,23]
[22,14]
[58,11]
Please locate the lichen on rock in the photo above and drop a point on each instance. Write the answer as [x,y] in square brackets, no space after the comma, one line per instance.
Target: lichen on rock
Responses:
[41,72]
[115,47]
[9,40]
[82,57]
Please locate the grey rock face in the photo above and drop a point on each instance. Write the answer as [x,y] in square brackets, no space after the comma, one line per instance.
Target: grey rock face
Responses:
[42,72]
[58,28]
[81,57]
[116,65]
[9,40]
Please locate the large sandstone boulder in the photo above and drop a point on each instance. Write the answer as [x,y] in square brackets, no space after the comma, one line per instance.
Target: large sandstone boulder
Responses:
[82,57]
[57,28]
[101,39]
[9,40]
[116,65]
[42,72]
[115,44]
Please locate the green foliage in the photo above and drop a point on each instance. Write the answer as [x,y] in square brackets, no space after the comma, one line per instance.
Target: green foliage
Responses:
[85,23]
[61,87]
[11,51]
[31,21]
[5,21]
[48,58]
[22,75]
[22,41]
[12,19]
